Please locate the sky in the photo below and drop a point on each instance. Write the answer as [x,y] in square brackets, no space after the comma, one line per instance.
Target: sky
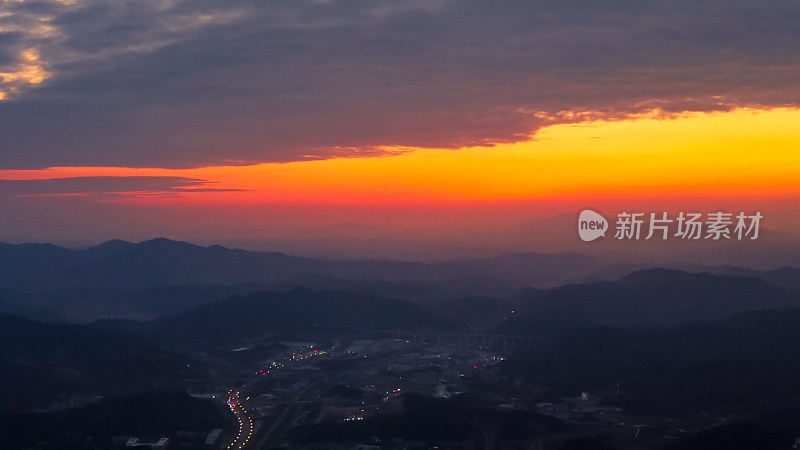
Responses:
[392,128]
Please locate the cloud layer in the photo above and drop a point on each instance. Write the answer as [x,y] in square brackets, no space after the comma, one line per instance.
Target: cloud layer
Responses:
[196,82]
[106,187]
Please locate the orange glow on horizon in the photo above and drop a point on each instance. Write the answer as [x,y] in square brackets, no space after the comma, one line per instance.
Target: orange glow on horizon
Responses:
[743,154]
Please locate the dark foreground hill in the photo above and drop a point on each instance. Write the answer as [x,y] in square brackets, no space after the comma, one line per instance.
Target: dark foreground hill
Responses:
[647,298]
[477,312]
[429,419]
[299,311]
[93,426]
[40,361]
[772,430]
[740,364]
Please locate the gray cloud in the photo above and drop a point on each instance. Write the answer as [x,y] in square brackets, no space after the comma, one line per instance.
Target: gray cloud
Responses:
[201,82]
[106,187]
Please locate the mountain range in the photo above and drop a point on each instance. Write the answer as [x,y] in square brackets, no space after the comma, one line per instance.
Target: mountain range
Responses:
[646,298]
[152,279]
[157,277]
[296,312]
[159,262]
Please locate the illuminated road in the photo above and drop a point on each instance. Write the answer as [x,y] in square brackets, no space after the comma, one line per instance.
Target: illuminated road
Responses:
[245,421]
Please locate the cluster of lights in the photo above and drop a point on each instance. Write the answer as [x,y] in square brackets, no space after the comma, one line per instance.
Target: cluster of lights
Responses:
[295,356]
[299,356]
[241,438]
[395,392]
[354,417]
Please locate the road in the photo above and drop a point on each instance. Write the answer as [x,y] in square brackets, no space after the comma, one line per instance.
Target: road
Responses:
[244,419]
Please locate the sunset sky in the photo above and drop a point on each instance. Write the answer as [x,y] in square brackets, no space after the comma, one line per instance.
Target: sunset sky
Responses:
[471,124]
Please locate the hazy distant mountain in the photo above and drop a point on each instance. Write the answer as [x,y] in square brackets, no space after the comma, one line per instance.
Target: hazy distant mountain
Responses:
[423,291]
[79,304]
[119,264]
[299,311]
[656,297]
[740,363]
[158,262]
[786,277]
[39,361]
[153,278]
[618,271]
[527,269]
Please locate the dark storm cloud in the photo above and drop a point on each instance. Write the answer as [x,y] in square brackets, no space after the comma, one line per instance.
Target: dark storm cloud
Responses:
[198,82]
[105,187]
